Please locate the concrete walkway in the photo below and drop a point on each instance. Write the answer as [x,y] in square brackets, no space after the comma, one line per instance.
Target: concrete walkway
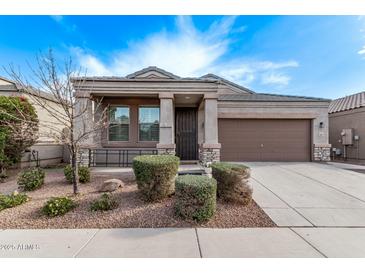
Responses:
[184,242]
[310,194]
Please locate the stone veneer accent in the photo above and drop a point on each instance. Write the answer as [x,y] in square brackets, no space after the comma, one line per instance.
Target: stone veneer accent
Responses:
[322,152]
[83,157]
[166,151]
[209,154]
[163,149]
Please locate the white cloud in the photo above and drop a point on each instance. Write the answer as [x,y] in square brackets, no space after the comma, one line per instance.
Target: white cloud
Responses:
[59,19]
[362,51]
[275,78]
[187,53]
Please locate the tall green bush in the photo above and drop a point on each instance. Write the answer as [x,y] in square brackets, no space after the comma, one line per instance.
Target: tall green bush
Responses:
[18,129]
[155,175]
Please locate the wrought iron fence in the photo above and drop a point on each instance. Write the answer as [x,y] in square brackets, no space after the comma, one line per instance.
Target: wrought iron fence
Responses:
[116,157]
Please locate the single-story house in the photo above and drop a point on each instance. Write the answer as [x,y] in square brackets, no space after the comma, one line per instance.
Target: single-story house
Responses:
[207,119]
[347,126]
[47,150]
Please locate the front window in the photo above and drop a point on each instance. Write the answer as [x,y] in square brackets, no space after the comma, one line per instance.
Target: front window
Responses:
[118,123]
[149,123]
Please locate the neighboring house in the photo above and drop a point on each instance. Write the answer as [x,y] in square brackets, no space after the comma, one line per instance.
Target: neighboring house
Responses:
[347,126]
[49,151]
[206,119]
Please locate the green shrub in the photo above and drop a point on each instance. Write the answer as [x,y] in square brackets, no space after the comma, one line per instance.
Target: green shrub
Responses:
[84,174]
[105,202]
[155,175]
[68,173]
[31,179]
[233,184]
[58,206]
[12,200]
[18,128]
[195,197]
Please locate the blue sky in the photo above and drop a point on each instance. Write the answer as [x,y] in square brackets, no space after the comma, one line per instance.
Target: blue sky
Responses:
[322,56]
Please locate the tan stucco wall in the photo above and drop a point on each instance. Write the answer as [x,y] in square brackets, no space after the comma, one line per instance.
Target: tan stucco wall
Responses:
[354,119]
[46,119]
[49,154]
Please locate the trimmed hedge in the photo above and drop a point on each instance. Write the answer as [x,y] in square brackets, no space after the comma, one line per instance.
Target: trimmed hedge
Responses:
[12,200]
[155,175]
[233,185]
[58,206]
[105,202]
[84,174]
[195,197]
[31,179]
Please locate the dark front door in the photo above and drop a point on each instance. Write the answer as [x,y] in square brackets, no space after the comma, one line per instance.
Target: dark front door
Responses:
[186,133]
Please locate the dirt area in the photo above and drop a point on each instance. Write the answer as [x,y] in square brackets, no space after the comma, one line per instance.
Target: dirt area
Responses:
[131,212]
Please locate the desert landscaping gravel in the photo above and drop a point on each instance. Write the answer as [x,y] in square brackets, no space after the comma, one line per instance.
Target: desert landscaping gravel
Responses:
[131,212]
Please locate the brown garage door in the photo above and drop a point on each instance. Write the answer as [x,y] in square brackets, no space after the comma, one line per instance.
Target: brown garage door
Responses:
[264,140]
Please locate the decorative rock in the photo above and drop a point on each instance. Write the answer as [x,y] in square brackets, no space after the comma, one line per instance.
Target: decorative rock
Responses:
[111,185]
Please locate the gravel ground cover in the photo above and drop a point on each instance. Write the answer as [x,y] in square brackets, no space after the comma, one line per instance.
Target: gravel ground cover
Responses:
[131,212]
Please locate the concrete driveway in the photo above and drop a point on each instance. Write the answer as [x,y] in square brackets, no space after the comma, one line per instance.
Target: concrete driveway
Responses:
[310,194]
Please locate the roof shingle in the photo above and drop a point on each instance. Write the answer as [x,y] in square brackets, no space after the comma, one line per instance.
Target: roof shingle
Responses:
[269,98]
[347,103]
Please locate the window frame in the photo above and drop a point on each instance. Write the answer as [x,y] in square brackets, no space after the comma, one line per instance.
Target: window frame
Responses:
[129,124]
[159,119]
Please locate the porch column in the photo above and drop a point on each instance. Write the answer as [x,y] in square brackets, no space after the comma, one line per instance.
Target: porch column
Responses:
[209,150]
[83,126]
[167,136]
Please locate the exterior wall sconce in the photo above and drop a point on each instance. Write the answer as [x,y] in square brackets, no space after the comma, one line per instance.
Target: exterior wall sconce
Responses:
[321,125]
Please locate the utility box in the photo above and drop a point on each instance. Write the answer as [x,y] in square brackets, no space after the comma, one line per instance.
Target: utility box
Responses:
[347,135]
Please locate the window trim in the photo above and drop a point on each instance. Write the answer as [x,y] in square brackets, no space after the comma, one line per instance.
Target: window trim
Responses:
[159,119]
[129,125]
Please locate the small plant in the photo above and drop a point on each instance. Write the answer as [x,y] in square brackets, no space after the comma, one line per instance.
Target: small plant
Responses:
[104,203]
[84,174]
[68,173]
[31,179]
[155,175]
[195,197]
[12,200]
[58,206]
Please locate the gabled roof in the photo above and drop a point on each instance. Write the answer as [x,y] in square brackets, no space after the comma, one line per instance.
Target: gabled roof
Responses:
[257,97]
[152,72]
[348,102]
[213,76]
[242,93]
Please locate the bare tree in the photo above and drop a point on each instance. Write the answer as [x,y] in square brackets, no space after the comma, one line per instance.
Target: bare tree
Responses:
[74,122]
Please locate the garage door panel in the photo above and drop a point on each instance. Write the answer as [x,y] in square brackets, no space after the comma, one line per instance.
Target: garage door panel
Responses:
[264,140]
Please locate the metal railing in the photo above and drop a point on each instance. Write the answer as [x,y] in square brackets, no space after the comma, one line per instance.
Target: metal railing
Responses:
[116,157]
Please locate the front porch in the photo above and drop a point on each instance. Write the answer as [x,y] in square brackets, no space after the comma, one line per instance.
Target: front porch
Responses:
[149,117]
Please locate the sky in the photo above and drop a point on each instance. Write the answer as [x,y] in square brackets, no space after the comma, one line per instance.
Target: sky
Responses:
[320,56]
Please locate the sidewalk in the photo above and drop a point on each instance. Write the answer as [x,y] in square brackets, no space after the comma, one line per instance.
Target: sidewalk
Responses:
[184,242]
